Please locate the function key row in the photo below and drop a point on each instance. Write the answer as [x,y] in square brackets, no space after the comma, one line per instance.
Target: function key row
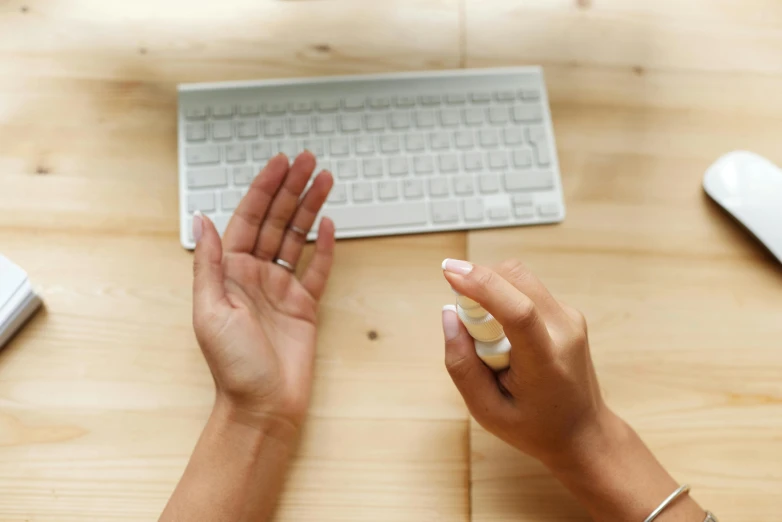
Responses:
[357,103]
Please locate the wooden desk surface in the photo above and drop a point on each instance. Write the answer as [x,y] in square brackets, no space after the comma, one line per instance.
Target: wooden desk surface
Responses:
[103,395]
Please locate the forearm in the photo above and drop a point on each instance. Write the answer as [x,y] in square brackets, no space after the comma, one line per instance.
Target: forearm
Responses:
[616,477]
[235,474]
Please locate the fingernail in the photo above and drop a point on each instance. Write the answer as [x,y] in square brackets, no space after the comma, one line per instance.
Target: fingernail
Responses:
[450,323]
[456,266]
[198,225]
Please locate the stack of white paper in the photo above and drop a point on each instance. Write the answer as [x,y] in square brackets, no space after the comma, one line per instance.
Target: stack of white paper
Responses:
[17,299]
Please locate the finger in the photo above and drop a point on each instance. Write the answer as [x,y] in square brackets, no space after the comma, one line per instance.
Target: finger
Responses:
[284,205]
[244,227]
[316,275]
[474,380]
[517,313]
[208,287]
[296,233]
[577,317]
[523,279]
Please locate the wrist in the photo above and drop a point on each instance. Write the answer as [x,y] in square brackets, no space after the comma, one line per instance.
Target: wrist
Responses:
[236,419]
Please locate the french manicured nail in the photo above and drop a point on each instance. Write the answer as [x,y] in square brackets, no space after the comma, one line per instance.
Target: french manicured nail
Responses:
[450,322]
[198,225]
[456,266]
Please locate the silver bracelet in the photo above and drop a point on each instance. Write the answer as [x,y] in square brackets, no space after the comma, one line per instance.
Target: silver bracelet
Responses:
[668,501]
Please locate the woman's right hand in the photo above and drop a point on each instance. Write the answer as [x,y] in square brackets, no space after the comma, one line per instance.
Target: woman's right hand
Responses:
[548,402]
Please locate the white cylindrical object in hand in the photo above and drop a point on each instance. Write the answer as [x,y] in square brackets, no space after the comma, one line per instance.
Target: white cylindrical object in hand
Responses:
[491,345]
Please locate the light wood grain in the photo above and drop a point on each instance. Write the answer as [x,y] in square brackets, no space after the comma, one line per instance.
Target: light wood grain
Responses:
[683,306]
[103,395]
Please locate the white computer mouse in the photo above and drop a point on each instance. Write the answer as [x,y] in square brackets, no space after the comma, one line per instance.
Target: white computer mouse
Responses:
[749,187]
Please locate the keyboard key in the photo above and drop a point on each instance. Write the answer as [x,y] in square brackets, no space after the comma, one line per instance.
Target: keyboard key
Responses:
[439,141]
[472,161]
[448,163]
[373,168]
[464,185]
[400,120]
[397,167]
[362,191]
[523,207]
[473,210]
[522,200]
[527,181]
[527,113]
[499,213]
[498,160]
[504,96]
[413,188]
[222,130]
[423,165]
[327,105]
[444,212]
[473,117]
[364,145]
[221,222]
[380,102]
[349,123]
[262,151]
[389,144]
[299,125]
[384,215]
[235,153]
[325,124]
[464,140]
[488,138]
[522,158]
[449,117]
[247,129]
[438,187]
[204,155]
[498,115]
[543,154]
[249,109]
[548,210]
[204,178]
[315,146]
[405,101]
[301,107]
[243,176]
[204,202]
[353,103]
[456,99]
[347,169]
[195,132]
[529,94]
[415,143]
[290,148]
[489,183]
[230,199]
[536,134]
[338,194]
[512,136]
[222,111]
[324,165]
[196,113]
[480,97]
[339,147]
[425,119]
[375,122]
[430,100]
[388,190]
[274,127]
[276,108]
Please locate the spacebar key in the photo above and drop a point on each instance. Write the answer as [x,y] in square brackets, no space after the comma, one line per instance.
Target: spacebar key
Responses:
[378,216]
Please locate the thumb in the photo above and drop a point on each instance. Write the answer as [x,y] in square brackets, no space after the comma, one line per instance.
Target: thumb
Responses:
[475,381]
[208,288]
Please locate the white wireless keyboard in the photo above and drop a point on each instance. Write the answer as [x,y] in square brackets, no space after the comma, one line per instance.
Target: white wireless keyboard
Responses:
[410,152]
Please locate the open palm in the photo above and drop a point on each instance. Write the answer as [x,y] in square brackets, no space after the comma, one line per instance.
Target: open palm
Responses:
[254,318]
